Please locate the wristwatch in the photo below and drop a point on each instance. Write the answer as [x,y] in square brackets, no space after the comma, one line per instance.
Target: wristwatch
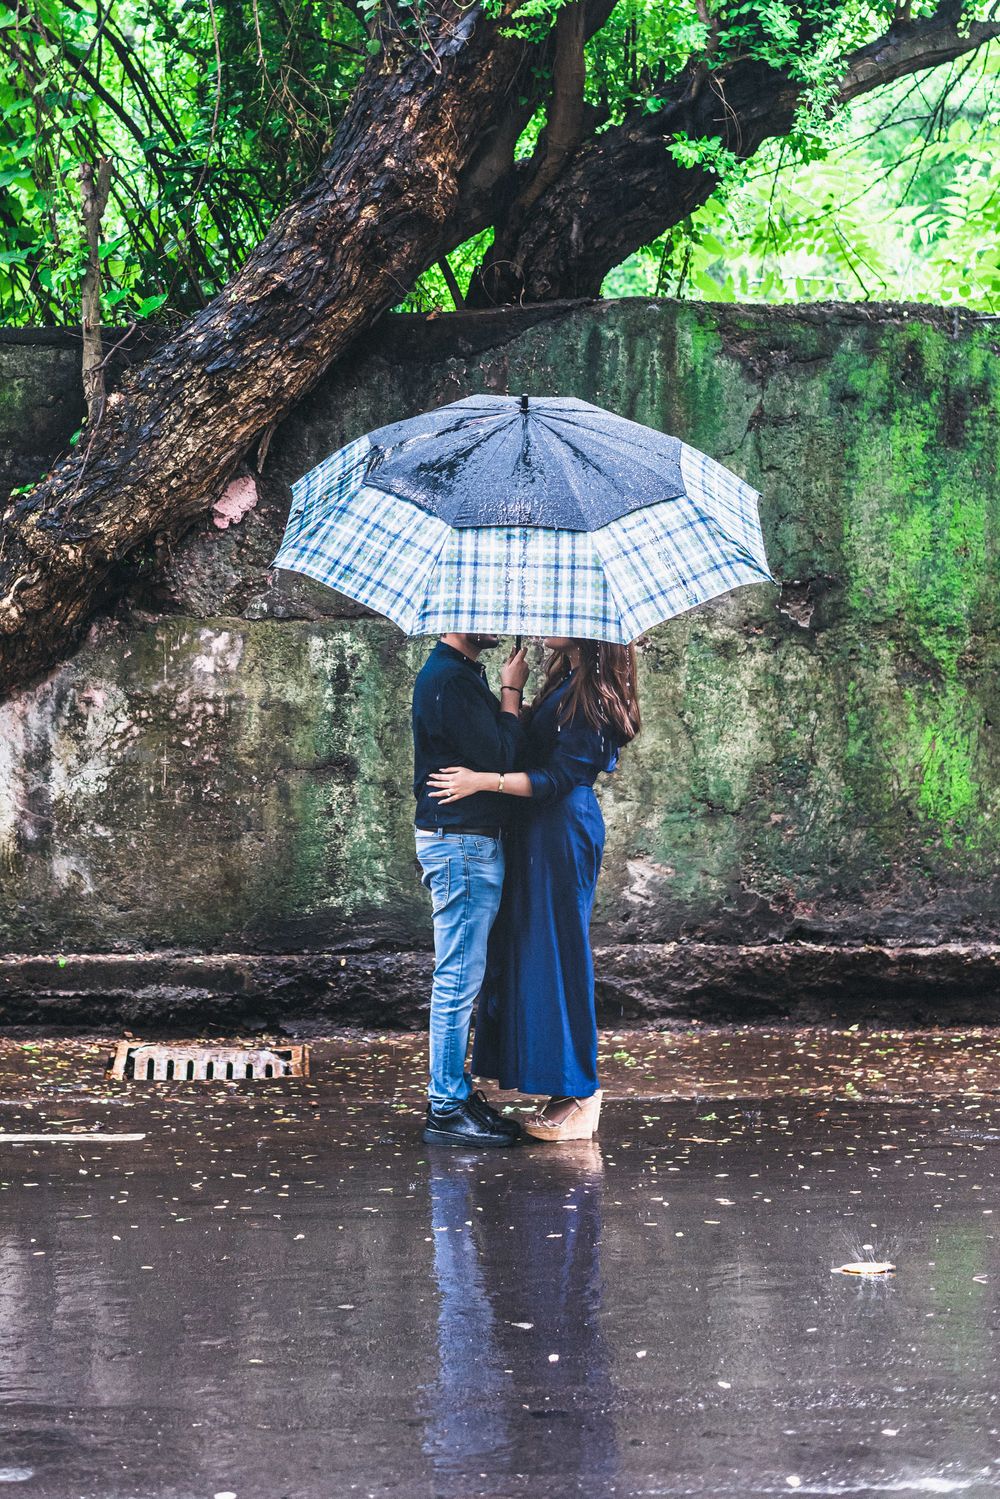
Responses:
[500,782]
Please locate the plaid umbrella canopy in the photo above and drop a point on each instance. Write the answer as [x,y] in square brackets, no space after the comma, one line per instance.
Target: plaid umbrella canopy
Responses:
[540,516]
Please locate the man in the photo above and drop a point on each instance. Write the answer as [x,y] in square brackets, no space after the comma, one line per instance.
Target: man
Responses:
[458,721]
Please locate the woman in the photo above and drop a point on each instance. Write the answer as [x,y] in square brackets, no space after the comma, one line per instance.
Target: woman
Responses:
[536,1028]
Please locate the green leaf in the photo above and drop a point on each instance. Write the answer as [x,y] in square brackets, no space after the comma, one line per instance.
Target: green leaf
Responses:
[150,304]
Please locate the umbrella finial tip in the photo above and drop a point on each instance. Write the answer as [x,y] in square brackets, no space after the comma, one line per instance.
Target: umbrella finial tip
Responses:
[524,401]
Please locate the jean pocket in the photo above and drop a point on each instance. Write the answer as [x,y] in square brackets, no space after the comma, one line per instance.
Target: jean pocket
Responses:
[485,849]
[438,881]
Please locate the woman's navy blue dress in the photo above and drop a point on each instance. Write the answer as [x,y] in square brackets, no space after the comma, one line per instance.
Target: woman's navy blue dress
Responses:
[536,1029]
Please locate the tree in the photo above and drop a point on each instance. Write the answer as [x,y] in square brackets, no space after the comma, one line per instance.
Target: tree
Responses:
[621,189]
[429,152]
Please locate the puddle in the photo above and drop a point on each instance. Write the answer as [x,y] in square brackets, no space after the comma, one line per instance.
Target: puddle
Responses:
[291,1295]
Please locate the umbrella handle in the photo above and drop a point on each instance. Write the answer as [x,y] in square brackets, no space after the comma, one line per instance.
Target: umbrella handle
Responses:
[517,643]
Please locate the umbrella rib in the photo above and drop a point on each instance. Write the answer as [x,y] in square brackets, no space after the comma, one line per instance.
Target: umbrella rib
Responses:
[427,577]
[721,527]
[384,482]
[609,584]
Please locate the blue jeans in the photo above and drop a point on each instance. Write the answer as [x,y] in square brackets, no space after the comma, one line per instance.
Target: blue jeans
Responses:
[465,877]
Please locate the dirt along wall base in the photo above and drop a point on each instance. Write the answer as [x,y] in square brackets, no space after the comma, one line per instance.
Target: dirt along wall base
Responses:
[672,984]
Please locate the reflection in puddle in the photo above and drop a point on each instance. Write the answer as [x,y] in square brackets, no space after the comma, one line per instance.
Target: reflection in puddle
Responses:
[519,1338]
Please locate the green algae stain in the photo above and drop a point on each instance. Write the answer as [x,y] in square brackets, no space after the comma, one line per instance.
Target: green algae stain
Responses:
[709,407]
[869,754]
[917,563]
[936,553]
[911,752]
[915,532]
[944,747]
[858,742]
[317,740]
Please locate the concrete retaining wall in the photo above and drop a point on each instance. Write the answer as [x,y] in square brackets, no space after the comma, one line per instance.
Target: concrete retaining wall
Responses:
[211,800]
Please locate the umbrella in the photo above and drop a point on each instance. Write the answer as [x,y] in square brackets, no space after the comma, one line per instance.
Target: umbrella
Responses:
[537,516]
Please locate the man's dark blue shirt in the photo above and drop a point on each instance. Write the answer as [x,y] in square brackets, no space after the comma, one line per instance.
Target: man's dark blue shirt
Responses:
[457,721]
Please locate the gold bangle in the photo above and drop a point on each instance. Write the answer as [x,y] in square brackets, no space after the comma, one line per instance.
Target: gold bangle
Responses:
[500,782]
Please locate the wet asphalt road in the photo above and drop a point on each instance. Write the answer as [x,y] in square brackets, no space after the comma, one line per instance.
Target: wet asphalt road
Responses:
[279,1291]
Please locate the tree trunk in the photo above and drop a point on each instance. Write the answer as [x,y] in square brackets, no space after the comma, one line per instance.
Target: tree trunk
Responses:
[349,247]
[411,173]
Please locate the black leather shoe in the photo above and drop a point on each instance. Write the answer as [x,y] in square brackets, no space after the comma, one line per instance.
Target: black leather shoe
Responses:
[480,1105]
[461,1125]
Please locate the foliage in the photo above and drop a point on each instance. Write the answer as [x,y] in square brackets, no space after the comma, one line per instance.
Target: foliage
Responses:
[902,203]
[211,115]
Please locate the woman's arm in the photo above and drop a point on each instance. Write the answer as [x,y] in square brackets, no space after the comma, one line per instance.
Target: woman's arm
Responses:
[455,782]
[579,755]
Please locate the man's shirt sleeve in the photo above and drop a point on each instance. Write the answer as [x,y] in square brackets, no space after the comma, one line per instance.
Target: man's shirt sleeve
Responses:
[483,738]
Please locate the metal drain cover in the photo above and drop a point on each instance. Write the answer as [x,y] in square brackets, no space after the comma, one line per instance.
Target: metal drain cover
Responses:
[198,1061]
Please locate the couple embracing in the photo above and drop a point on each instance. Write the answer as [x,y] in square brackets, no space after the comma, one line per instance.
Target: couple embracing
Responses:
[510,837]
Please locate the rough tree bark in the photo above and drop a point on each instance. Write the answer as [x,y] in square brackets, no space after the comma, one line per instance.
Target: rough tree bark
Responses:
[423,158]
[622,188]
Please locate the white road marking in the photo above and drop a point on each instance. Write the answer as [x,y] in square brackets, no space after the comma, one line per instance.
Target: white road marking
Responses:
[67,1139]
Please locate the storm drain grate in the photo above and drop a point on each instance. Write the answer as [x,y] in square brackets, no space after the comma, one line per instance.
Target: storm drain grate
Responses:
[194,1061]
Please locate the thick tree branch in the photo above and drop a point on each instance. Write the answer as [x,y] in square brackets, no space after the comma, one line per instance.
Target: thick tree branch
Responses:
[562,131]
[623,188]
[526,181]
[490,184]
[912,46]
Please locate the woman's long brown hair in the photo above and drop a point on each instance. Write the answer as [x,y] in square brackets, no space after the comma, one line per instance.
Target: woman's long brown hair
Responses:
[604,688]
